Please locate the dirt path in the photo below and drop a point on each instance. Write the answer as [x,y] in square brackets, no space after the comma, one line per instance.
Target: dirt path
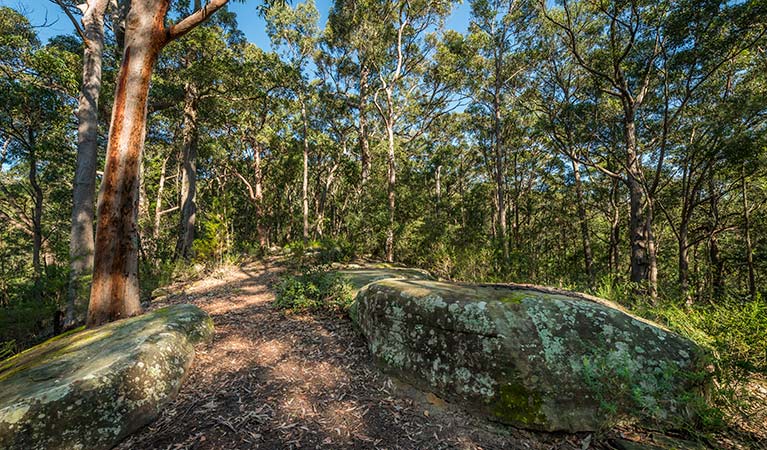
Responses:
[272,380]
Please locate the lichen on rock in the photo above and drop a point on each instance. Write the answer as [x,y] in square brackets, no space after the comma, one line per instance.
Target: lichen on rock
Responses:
[527,357]
[90,389]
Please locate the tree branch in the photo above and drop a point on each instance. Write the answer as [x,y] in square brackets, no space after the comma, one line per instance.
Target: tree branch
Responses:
[74,21]
[192,20]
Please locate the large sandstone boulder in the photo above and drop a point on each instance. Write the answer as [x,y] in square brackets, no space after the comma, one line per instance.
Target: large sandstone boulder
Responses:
[534,358]
[90,389]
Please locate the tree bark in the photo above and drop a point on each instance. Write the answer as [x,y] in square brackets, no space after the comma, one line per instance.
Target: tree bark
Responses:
[188,194]
[438,188]
[81,245]
[684,257]
[258,199]
[715,258]
[158,212]
[322,202]
[615,231]
[115,290]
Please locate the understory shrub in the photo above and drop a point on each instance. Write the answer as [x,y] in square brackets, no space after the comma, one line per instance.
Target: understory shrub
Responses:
[735,331]
[315,289]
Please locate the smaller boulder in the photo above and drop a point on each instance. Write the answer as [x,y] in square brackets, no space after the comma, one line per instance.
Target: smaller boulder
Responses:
[90,389]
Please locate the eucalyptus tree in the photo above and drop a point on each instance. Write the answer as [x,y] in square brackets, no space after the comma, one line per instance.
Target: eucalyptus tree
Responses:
[353,35]
[621,50]
[115,289]
[705,75]
[566,109]
[407,44]
[336,132]
[90,28]
[257,83]
[195,66]
[495,70]
[720,137]
[294,32]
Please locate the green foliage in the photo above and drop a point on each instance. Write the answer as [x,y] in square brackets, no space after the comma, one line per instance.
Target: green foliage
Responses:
[7,349]
[736,331]
[212,241]
[322,252]
[616,288]
[315,289]
[648,395]
[338,250]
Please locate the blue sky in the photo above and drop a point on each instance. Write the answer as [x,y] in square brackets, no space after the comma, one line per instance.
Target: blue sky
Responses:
[45,11]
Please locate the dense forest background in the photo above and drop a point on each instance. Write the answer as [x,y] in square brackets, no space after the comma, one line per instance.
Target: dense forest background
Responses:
[617,148]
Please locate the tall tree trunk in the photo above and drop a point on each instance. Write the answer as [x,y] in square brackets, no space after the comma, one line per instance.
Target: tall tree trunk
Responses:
[391,183]
[747,236]
[652,252]
[438,188]
[585,236]
[305,183]
[81,245]
[256,195]
[717,266]
[158,212]
[715,258]
[363,130]
[188,174]
[684,257]
[500,191]
[640,219]
[115,290]
[683,245]
[322,204]
[37,216]
[615,230]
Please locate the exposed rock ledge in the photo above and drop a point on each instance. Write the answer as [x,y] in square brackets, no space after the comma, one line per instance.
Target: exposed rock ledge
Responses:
[90,389]
[534,358]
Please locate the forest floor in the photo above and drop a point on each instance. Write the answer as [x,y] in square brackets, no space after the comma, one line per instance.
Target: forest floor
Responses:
[276,380]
